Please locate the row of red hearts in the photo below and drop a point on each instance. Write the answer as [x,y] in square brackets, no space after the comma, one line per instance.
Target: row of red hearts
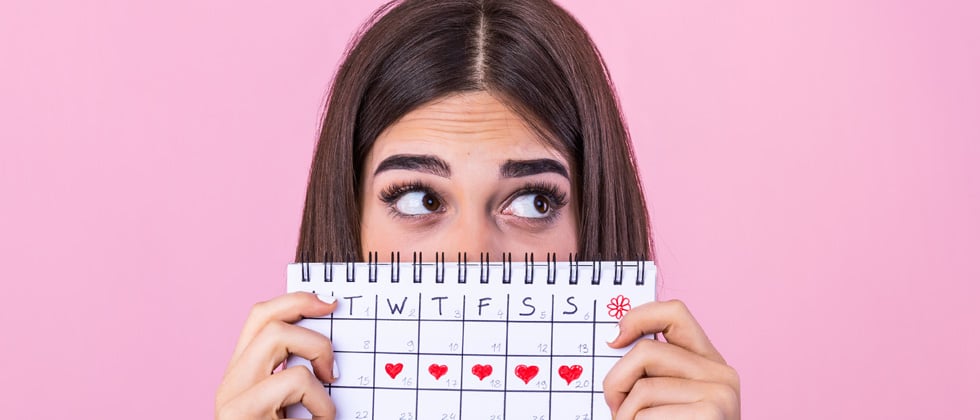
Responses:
[524,372]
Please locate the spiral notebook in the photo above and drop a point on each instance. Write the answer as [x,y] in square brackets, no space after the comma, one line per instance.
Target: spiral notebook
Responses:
[472,340]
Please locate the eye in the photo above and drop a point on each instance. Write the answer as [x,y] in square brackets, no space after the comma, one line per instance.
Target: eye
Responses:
[417,203]
[532,206]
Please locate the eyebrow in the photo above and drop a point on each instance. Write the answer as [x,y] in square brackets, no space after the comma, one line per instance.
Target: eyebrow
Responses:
[420,163]
[521,168]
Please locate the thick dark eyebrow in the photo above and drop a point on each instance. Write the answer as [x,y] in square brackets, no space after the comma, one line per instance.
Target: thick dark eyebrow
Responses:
[422,163]
[521,168]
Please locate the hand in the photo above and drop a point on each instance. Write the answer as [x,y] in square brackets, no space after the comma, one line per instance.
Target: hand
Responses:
[251,389]
[682,378]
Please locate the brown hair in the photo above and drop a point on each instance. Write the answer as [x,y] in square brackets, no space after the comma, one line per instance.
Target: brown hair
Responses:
[530,54]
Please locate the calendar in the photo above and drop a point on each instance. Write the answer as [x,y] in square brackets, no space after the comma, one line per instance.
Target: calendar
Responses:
[487,340]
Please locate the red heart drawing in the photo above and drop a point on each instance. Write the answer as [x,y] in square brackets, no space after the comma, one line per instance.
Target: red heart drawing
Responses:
[482,371]
[438,370]
[393,369]
[570,373]
[526,373]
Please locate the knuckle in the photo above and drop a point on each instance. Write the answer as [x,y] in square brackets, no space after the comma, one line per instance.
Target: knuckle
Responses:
[607,382]
[710,411]
[229,412]
[644,386]
[725,395]
[645,345]
[273,329]
[677,307]
[297,374]
[731,378]
[259,312]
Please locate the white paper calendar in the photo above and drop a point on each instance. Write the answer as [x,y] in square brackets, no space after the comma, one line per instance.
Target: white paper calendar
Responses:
[461,341]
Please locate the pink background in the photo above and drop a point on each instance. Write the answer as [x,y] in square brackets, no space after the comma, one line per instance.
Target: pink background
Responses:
[811,169]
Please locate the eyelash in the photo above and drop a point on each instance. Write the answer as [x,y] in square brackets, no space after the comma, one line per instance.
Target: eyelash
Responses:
[390,195]
[557,198]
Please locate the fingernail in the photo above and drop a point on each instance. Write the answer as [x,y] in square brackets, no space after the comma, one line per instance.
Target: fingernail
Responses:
[336,370]
[327,298]
[614,335]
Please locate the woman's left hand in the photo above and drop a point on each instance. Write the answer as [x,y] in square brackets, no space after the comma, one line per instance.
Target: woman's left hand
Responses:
[684,377]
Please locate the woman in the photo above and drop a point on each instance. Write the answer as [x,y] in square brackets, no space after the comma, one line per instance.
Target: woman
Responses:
[476,126]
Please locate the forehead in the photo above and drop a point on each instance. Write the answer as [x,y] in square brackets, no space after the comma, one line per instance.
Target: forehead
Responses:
[470,125]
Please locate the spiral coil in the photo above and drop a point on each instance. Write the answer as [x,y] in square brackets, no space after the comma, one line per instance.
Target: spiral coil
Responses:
[506,265]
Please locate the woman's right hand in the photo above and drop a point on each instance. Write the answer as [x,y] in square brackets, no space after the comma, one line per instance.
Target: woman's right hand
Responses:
[251,389]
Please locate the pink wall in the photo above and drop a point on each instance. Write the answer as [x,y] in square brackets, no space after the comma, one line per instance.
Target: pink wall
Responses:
[811,167]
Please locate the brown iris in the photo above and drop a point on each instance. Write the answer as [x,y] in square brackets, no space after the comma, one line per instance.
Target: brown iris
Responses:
[541,204]
[430,202]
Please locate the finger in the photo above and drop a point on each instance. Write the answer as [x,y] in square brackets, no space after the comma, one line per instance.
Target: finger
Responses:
[694,411]
[276,341]
[290,307]
[674,320]
[290,386]
[650,358]
[655,392]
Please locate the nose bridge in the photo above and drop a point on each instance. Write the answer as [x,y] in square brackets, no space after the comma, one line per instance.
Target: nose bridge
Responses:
[472,232]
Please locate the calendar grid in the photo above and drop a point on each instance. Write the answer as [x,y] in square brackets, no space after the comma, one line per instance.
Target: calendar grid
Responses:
[506,349]
[398,353]
[595,317]
[551,352]
[418,355]
[523,321]
[462,355]
[531,391]
[470,341]
[374,372]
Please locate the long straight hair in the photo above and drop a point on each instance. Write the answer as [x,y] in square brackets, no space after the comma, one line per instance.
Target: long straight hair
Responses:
[531,55]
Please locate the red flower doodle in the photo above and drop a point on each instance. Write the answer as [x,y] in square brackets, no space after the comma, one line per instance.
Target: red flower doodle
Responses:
[618,306]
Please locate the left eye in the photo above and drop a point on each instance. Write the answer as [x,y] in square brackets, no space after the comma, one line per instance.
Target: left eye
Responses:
[415,203]
[533,206]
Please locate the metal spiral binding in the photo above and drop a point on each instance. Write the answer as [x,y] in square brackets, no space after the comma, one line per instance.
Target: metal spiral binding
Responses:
[528,273]
[552,268]
[372,267]
[416,267]
[461,274]
[506,266]
[507,262]
[641,274]
[484,269]
[305,266]
[440,268]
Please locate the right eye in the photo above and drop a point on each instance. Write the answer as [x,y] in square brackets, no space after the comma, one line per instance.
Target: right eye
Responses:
[416,203]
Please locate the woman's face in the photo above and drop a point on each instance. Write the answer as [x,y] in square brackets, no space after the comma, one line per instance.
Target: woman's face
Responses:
[466,174]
